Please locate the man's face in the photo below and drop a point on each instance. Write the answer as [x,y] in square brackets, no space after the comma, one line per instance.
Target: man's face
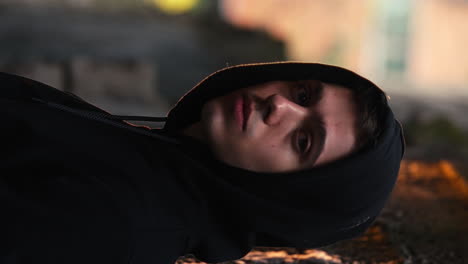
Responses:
[279,126]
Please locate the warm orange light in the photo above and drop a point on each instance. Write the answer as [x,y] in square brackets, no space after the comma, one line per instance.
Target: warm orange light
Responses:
[262,256]
[415,171]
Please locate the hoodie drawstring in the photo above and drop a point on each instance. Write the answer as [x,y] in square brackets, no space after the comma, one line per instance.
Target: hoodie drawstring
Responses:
[109,119]
[140,118]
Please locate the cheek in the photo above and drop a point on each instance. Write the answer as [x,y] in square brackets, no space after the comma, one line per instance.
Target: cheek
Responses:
[212,120]
[268,158]
[256,151]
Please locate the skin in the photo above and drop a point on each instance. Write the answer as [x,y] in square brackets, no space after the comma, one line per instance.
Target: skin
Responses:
[282,131]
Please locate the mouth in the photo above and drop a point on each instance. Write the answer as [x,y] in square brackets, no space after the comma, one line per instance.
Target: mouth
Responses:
[246,110]
[243,108]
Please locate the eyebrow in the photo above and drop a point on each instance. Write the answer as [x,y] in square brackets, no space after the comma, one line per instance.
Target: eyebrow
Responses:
[320,133]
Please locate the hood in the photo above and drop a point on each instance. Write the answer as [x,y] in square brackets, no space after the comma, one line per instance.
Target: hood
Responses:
[311,208]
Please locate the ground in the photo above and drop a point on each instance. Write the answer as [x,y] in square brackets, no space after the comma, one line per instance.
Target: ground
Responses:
[425,221]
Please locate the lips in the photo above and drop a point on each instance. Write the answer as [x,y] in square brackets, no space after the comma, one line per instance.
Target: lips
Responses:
[243,108]
[246,110]
[239,111]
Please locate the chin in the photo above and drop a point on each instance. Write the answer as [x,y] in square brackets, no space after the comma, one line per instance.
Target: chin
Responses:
[213,122]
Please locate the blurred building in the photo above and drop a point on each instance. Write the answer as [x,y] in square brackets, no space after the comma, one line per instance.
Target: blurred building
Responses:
[409,46]
[76,3]
[145,46]
[406,46]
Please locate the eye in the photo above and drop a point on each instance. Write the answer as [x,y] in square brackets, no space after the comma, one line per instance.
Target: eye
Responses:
[303,95]
[303,142]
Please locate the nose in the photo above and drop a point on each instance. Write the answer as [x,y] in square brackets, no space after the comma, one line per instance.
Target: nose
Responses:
[280,110]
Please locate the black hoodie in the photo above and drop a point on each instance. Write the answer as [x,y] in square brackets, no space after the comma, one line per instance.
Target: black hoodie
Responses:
[81,185]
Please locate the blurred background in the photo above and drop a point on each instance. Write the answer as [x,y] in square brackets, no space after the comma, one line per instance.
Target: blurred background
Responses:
[137,57]
[140,56]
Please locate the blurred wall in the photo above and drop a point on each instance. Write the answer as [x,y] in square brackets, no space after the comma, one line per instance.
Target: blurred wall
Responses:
[319,30]
[438,48]
[412,47]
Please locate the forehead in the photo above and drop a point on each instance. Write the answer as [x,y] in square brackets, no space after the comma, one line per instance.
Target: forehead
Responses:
[336,99]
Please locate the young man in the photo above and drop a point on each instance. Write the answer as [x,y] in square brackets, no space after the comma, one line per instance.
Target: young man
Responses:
[272,154]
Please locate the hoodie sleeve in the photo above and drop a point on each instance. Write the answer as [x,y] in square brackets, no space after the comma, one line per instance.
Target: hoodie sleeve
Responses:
[74,190]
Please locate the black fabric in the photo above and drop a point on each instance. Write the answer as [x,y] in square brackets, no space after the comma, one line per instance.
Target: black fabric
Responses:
[77,189]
